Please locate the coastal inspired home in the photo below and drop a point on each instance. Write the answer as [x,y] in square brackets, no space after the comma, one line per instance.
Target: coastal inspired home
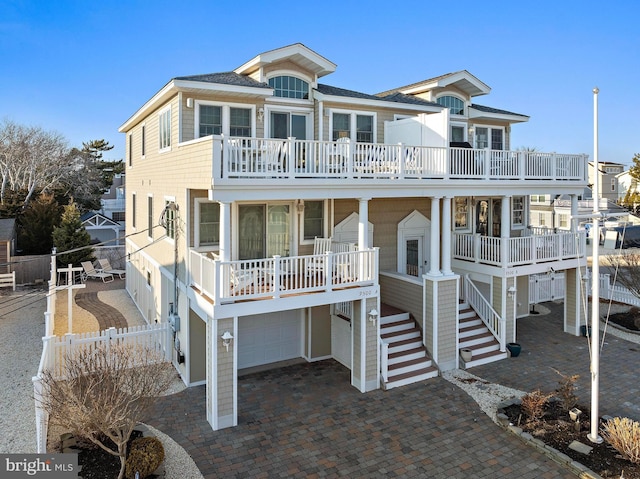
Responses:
[274,217]
[607,178]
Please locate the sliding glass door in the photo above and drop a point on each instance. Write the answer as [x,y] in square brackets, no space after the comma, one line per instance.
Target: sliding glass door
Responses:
[264,231]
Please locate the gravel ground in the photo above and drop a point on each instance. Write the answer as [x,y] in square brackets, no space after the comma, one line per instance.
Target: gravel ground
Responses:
[21,330]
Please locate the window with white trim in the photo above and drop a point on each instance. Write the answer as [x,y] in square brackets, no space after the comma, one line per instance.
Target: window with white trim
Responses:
[356,126]
[130,150]
[133,210]
[517,211]
[231,119]
[313,221]
[563,220]
[542,219]
[207,223]
[164,129]
[170,218]
[455,104]
[286,86]
[461,212]
[613,184]
[150,216]
[486,137]
[143,140]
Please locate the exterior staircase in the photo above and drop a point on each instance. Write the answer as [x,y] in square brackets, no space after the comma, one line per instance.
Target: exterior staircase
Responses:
[474,335]
[407,359]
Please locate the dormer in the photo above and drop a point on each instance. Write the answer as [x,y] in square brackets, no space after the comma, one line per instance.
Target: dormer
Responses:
[295,62]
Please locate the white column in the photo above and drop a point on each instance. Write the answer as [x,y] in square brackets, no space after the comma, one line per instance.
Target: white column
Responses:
[225,231]
[505,228]
[446,236]
[574,212]
[435,238]
[363,224]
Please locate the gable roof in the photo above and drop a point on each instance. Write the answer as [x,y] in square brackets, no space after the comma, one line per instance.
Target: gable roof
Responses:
[482,111]
[395,98]
[95,219]
[297,53]
[462,79]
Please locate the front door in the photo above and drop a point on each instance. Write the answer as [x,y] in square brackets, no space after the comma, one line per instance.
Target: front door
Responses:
[488,217]
[414,256]
[264,231]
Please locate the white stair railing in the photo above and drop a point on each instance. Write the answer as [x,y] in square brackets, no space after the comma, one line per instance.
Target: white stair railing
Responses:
[485,311]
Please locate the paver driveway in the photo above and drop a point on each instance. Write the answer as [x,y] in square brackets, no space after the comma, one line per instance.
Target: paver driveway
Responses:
[307,421]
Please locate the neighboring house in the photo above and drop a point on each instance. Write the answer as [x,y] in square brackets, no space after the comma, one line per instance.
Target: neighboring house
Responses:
[626,184]
[606,178]
[7,243]
[275,217]
[108,225]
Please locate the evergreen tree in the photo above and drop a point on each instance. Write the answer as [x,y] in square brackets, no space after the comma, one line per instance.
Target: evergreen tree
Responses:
[36,224]
[634,170]
[71,235]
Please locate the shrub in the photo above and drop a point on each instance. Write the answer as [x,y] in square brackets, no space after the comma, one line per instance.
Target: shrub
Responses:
[533,404]
[567,391]
[624,435]
[145,456]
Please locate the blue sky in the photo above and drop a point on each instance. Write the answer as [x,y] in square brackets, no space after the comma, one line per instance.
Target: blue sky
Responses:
[82,68]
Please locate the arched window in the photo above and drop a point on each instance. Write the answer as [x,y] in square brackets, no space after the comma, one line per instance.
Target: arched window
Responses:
[455,105]
[290,87]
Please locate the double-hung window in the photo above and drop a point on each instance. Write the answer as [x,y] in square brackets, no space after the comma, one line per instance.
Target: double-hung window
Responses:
[164,129]
[150,216]
[517,209]
[357,126]
[208,217]
[224,119]
[461,213]
[313,223]
[170,218]
[489,137]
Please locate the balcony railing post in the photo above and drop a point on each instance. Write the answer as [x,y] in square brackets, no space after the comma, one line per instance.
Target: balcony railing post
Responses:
[287,166]
[328,270]
[476,247]
[276,276]
[402,158]
[219,169]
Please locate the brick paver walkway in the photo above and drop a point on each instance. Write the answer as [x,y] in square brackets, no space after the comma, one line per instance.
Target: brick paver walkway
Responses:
[545,348]
[308,421]
[106,315]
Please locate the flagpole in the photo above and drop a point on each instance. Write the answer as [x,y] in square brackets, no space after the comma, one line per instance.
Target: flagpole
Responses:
[595,284]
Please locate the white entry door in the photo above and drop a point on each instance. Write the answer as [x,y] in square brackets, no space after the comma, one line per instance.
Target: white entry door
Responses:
[268,338]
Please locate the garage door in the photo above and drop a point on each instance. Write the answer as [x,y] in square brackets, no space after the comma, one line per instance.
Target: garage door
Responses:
[267,338]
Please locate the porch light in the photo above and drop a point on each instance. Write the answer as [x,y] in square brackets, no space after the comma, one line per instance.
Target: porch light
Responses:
[373,315]
[226,339]
[511,292]
[260,114]
[300,206]
[189,102]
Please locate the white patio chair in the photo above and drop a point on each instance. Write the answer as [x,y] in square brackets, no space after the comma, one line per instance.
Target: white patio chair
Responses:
[90,272]
[105,267]
[315,264]
[242,281]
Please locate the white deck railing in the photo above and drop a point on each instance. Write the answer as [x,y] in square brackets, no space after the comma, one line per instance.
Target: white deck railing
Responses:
[487,314]
[290,158]
[510,252]
[230,281]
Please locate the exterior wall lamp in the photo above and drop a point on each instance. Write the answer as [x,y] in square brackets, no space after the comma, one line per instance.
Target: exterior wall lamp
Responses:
[226,339]
[260,114]
[300,206]
[373,315]
[511,292]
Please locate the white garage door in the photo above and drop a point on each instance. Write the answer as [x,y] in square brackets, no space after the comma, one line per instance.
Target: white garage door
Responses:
[267,338]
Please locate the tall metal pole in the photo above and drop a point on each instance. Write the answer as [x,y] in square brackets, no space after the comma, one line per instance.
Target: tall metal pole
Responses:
[595,285]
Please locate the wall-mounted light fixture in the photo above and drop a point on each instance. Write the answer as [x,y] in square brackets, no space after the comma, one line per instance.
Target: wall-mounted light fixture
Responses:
[189,102]
[511,292]
[260,114]
[373,315]
[300,206]
[226,339]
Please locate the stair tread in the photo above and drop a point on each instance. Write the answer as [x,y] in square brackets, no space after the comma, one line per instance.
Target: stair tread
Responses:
[404,342]
[408,352]
[411,374]
[410,362]
[485,334]
[397,323]
[399,333]
[482,345]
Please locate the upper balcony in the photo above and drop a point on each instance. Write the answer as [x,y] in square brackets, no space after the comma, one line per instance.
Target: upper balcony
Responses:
[238,159]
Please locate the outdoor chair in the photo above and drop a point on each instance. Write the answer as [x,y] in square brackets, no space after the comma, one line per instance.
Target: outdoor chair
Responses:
[242,281]
[315,264]
[90,272]
[105,267]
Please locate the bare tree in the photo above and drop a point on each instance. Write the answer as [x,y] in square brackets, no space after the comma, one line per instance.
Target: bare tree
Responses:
[627,265]
[104,392]
[31,160]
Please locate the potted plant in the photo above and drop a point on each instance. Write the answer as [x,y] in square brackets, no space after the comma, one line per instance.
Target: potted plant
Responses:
[466,354]
[514,349]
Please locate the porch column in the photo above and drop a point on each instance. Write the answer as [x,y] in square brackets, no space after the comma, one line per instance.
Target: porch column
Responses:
[505,229]
[575,300]
[441,319]
[446,236]
[225,231]
[434,254]
[574,213]
[363,223]
[365,368]
[222,373]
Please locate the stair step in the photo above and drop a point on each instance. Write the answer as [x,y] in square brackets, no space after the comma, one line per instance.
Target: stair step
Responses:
[480,337]
[401,335]
[406,354]
[409,366]
[412,377]
[469,331]
[479,349]
[397,326]
[395,317]
[405,345]
[484,358]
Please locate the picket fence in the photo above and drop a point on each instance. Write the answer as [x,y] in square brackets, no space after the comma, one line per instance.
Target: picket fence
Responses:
[156,337]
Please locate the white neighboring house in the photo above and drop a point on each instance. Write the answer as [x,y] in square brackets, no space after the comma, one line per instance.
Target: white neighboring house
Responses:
[626,184]
[108,224]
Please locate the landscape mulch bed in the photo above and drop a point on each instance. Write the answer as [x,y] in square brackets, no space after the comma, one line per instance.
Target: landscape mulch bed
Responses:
[556,429]
[629,320]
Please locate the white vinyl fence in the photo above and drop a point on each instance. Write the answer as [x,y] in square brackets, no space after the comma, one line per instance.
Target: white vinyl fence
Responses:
[156,337]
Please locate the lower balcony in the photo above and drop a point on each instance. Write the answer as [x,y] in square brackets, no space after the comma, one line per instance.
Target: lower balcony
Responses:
[225,282]
[526,250]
